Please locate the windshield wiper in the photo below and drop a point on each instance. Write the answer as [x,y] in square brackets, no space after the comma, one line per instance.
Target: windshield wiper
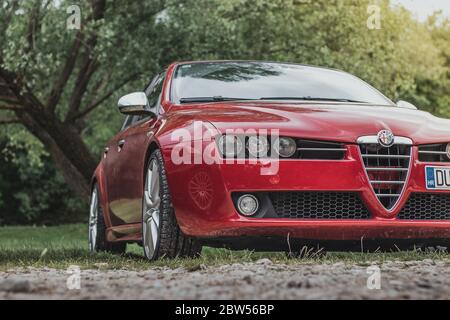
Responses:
[220,98]
[210,99]
[312,99]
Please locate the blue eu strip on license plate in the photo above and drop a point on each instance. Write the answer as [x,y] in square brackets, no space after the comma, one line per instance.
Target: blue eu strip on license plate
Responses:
[437,178]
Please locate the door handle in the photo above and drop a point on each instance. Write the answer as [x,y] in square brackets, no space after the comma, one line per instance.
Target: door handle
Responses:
[120,145]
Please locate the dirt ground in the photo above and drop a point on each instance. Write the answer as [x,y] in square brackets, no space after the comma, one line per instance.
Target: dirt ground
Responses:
[263,279]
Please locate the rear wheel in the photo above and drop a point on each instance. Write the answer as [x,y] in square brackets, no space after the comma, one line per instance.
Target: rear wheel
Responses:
[97,228]
[161,235]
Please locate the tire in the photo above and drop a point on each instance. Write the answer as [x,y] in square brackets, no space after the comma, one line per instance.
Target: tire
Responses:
[161,235]
[97,229]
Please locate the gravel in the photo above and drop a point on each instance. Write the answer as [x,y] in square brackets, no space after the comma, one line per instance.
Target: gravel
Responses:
[427,279]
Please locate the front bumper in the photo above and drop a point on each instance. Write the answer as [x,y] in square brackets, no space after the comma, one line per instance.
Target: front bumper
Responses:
[201,196]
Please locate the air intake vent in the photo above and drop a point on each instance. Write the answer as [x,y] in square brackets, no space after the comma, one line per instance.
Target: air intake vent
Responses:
[423,206]
[433,153]
[320,150]
[319,205]
[387,169]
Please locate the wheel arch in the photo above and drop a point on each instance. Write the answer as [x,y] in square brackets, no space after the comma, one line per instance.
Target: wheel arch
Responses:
[94,181]
[98,179]
[154,145]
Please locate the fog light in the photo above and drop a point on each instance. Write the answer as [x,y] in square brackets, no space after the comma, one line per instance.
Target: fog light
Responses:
[248,205]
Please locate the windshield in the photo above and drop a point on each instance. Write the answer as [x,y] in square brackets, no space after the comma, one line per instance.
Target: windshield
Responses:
[224,81]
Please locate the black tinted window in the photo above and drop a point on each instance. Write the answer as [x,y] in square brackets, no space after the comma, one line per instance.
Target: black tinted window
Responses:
[128,121]
[256,80]
[154,91]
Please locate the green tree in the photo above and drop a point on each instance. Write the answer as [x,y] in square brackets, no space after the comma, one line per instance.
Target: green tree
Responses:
[321,32]
[36,193]
[52,78]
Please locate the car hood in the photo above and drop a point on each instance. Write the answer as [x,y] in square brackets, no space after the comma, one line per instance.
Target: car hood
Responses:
[341,122]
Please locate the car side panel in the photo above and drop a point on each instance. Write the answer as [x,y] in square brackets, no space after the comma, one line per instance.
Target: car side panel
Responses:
[126,174]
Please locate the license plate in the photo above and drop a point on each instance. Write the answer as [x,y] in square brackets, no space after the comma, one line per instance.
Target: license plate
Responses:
[437,178]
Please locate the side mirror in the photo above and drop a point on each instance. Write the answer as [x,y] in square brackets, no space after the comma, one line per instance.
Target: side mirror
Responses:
[406,105]
[135,104]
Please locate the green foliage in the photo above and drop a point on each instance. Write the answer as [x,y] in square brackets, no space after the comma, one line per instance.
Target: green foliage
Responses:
[396,59]
[32,192]
[432,90]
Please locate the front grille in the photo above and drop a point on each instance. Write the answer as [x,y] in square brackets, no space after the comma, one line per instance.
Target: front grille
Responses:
[433,153]
[387,169]
[318,205]
[320,150]
[423,206]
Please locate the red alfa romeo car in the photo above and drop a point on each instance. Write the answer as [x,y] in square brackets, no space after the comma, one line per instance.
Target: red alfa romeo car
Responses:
[267,156]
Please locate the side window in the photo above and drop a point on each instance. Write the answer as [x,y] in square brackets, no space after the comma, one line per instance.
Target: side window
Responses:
[128,121]
[154,91]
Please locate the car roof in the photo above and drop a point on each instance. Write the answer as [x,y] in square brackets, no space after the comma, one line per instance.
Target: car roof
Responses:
[257,61]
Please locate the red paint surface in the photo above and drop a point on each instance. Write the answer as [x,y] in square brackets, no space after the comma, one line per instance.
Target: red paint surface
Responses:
[120,175]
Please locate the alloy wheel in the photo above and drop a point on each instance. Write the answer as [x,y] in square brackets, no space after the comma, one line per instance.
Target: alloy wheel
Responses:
[151,211]
[93,221]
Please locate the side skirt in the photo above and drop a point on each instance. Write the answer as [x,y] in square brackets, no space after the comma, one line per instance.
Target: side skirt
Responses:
[129,233]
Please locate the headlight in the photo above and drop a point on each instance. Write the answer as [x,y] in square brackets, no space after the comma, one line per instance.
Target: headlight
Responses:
[448,151]
[258,146]
[230,146]
[285,147]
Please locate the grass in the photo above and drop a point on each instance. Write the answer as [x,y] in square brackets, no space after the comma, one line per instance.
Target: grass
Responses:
[62,246]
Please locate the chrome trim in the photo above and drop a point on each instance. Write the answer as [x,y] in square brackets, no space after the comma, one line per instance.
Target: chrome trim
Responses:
[322,149]
[434,152]
[374,140]
[387,169]
[387,182]
[249,214]
[403,184]
[133,103]
[385,156]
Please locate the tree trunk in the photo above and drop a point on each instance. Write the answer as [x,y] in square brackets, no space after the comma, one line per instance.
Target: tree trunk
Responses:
[66,148]
[61,140]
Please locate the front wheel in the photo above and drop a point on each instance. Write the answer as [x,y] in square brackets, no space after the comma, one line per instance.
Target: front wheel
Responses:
[97,228]
[161,235]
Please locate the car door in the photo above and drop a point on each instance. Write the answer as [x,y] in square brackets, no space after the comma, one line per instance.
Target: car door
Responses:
[126,162]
